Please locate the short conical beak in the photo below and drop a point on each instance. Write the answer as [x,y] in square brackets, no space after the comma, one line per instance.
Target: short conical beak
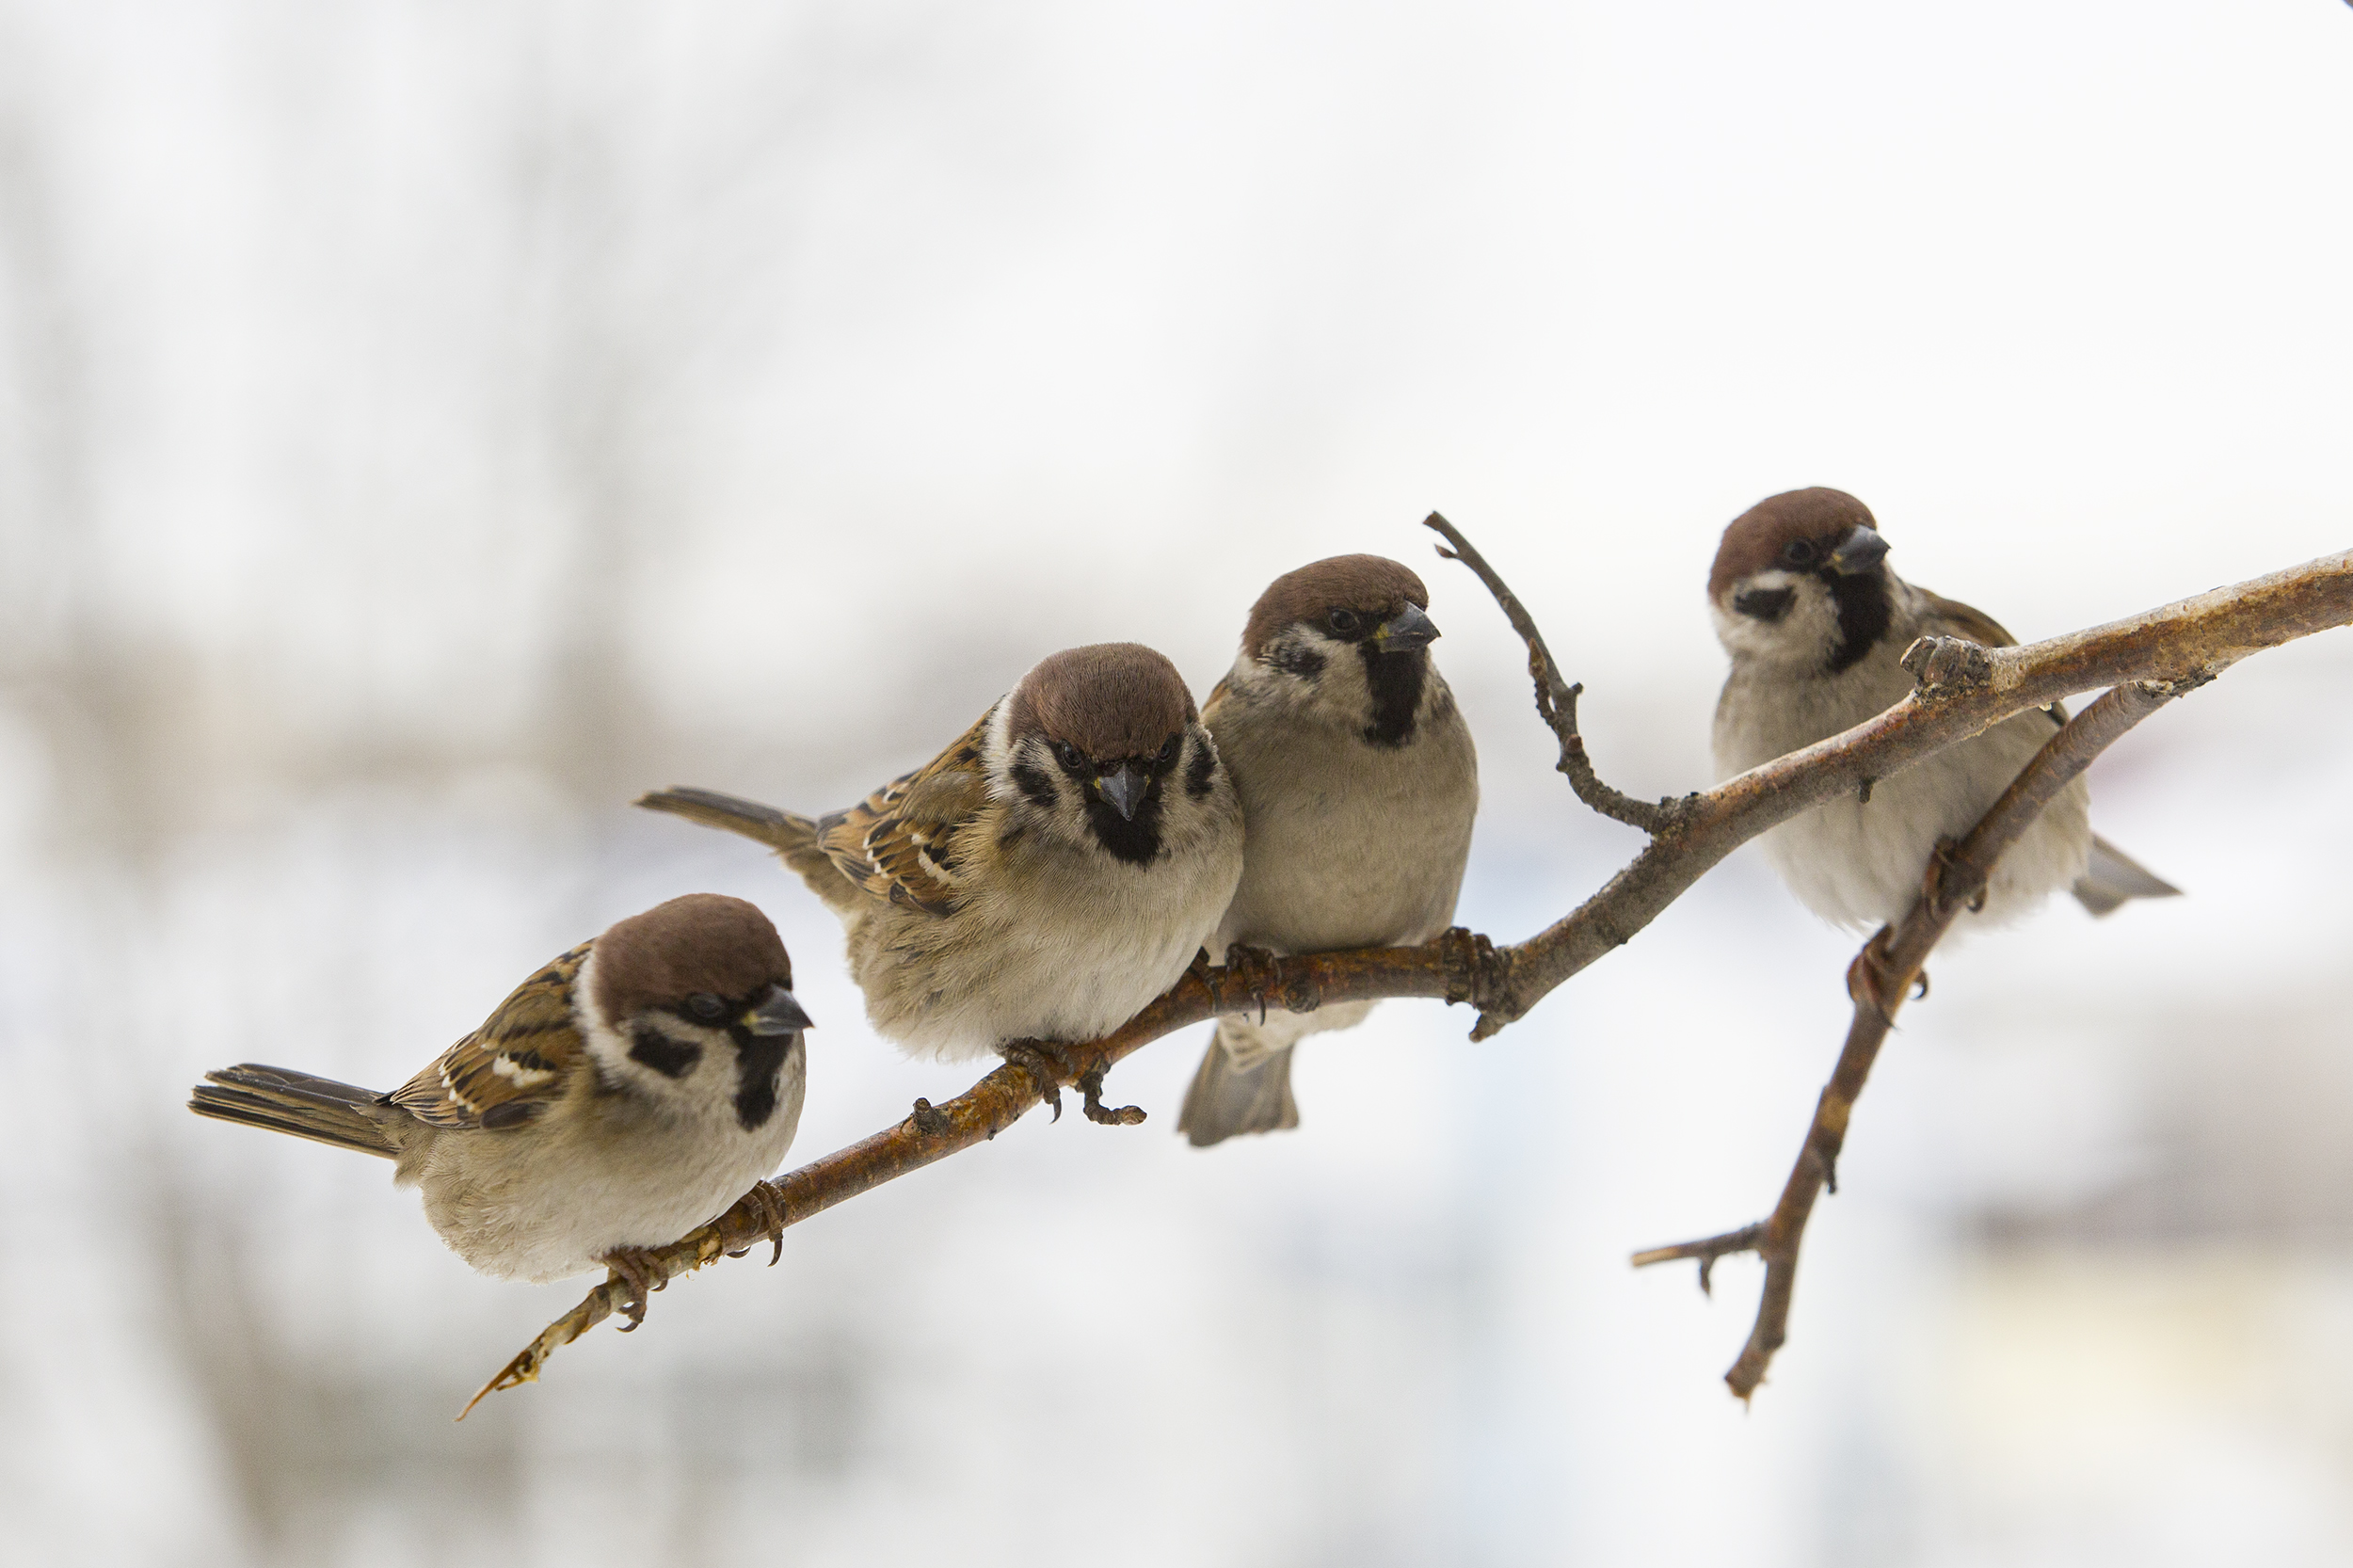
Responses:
[1861,550]
[1123,787]
[1407,630]
[777,1012]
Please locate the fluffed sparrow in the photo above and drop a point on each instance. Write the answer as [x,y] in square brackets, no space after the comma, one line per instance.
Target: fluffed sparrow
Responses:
[1358,784]
[1043,878]
[633,1089]
[1814,623]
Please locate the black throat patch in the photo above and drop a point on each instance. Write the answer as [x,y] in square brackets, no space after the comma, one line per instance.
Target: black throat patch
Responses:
[1396,680]
[1137,841]
[757,1059]
[1864,612]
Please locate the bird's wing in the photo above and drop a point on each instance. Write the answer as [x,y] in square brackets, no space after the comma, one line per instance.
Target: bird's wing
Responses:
[1968,621]
[520,1060]
[905,844]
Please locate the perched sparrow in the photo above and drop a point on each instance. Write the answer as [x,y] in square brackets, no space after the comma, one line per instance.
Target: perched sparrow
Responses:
[634,1088]
[1041,879]
[1814,623]
[1358,784]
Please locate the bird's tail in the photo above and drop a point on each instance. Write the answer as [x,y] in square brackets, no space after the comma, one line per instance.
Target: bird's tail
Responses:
[285,1100]
[2114,878]
[792,836]
[1226,1101]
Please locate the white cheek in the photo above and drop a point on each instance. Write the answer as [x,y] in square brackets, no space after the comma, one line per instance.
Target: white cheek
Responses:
[1806,630]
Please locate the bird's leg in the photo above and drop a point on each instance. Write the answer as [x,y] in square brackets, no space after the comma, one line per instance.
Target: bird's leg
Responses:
[1090,1083]
[1045,1062]
[633,1267]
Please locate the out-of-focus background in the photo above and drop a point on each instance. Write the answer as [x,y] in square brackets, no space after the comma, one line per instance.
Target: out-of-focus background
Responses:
[421,426]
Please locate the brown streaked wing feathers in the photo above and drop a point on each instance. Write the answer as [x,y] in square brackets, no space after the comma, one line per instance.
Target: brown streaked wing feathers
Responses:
[520,1058]
[900,844]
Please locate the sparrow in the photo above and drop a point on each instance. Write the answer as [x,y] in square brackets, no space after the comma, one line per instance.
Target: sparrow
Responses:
[1814,622]
[1358,784]
[630,1090]
[1052,871]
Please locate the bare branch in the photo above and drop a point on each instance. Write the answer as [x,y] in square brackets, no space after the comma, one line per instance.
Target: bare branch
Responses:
[1556,699]
[2185,644]
[1881,975]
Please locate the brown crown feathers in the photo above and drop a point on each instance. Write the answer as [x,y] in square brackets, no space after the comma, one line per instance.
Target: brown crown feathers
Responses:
[1371,585]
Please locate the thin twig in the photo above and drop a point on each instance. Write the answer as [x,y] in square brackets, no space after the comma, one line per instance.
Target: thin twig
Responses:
[2193,639]
[1881,976]
[1556,699]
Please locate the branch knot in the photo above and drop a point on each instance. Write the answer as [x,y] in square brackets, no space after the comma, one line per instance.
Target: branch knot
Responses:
[1939,664]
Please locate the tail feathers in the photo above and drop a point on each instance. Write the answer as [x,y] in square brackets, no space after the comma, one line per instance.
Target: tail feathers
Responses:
[1226,1101]
[285,1100]
[2114,878]
[792,836]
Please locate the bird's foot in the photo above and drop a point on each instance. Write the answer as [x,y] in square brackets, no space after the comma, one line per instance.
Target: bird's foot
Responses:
[1867,976]
[1945,865]
[767,1201]
[1254,973]
[1045,1062]
[1091,1083]
[635,1268]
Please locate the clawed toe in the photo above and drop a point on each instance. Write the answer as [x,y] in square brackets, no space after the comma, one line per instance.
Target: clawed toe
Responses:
[768,1198]
[1044,1063]
[633,1267]
[1091,1083]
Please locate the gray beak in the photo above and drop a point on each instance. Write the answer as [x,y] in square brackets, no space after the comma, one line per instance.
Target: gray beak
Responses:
[1407,630]
[1123,787]
[1862,550]
[777,1012]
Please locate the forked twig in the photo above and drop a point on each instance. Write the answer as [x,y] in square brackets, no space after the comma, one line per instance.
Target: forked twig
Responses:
[1879,979]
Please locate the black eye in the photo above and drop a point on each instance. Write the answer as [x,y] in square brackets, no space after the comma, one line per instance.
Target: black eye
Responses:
[1343,621]
[706,1006]
[1168,752]
[1068,755]
[1798,552]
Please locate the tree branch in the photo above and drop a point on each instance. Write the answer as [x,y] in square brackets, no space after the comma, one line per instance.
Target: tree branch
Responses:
[1963,691]
[1556,699]
[1882,973]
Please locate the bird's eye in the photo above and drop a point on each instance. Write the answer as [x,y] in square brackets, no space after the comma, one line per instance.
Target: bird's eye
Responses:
[1343,621]
[1798,552]
[1168,752]
[1068,755]
[706,1006]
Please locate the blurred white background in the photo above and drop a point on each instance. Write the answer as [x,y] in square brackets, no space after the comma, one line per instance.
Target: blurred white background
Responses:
[423,425]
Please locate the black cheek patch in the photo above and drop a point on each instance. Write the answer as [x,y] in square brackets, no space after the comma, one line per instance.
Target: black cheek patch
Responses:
[1766,604]
[1032,781]
[668,1057]
[1201,772]
[1296,659]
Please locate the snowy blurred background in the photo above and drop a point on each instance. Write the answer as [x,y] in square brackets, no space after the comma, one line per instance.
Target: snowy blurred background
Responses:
[424,426]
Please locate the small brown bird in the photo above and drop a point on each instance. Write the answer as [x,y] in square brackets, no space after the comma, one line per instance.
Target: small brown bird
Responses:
[1814,623]
[1358,784]
[1041,879]
[631,1090]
